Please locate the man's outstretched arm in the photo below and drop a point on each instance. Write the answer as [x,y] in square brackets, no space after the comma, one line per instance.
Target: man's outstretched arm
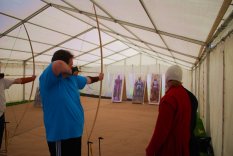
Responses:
[24,80]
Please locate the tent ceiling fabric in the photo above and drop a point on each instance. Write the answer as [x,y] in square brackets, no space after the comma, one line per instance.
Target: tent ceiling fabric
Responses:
[173,31]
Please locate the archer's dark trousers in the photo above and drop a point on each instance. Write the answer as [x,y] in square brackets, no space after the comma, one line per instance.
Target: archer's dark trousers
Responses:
[69,147]
[2,121]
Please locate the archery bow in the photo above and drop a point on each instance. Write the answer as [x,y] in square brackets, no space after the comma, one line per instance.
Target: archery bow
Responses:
[20,120]
[100,91]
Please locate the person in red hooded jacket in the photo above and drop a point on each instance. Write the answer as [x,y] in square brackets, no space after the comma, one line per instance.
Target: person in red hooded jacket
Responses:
[172,132]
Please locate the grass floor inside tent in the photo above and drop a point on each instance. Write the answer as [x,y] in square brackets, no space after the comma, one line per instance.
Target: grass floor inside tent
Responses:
[17,103]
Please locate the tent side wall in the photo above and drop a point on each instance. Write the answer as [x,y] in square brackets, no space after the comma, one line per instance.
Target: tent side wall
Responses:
[213,87]
[216,97]
[228,98]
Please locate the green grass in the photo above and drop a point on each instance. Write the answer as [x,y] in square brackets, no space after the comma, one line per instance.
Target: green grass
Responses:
[17,103]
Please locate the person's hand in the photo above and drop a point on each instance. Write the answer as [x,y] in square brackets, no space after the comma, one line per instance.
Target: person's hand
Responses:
[75,70]
[33,77]
[101,76]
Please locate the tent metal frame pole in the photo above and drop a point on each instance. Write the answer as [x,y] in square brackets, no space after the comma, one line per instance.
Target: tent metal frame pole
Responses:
[218,19]
[88,52]
[25,20]
[221,13]
[106,57]
[222,27]
[198,92]
[60,43]
[113,19]
[153,23]
[208,94]
[156,51]
[24,72]
[191,80]
[87,41]
[122,25]
[128,23]
[223,102]
[203,91]
[191,56]
[140,63]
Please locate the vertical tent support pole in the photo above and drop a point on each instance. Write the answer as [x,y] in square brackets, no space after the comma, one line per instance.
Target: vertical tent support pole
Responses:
[223,101]
[24,73]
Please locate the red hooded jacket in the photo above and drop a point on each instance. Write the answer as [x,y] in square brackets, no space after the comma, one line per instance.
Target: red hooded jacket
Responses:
[172,131]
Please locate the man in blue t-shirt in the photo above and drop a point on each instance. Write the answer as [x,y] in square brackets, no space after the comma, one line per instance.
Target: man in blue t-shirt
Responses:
[63,112]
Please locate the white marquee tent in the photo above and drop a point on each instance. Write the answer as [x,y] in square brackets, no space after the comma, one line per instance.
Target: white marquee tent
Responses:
[138,37]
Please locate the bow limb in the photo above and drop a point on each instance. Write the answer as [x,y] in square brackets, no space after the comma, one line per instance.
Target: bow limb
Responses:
[32,59]
[20,120]
[101,82]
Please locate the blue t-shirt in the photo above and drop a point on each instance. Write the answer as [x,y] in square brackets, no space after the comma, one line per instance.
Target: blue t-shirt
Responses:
[63,112]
